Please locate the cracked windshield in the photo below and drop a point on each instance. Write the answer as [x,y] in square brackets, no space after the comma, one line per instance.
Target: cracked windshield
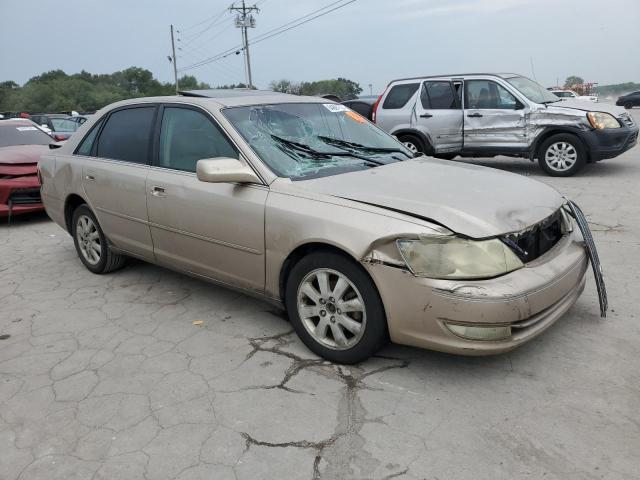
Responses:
[310,140]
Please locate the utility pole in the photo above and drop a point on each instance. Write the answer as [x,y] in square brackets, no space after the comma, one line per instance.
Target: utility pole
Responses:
[244,20]
[175,63]
[371,89]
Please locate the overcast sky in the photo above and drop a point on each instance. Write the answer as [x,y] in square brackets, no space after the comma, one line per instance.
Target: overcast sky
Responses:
[369,41]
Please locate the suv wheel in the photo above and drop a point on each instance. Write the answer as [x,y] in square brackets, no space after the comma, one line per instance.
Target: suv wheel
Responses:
[628,105]
[561,155]
[91,244]
[335,308]
[413,143]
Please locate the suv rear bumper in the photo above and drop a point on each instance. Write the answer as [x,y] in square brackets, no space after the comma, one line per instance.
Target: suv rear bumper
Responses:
[609,143]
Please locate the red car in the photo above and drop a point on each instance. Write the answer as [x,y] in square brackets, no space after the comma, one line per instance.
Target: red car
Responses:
[21,144]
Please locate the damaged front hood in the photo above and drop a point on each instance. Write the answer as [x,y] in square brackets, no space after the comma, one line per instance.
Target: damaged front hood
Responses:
[587,106]
[474,201]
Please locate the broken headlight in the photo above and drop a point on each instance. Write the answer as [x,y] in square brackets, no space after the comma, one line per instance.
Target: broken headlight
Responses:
[601,120]
[451,257]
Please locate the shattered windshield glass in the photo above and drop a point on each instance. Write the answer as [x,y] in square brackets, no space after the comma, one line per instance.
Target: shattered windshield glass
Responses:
[310,140]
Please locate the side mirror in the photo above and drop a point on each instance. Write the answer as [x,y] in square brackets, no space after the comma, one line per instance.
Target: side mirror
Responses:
[519,105]
[225,170]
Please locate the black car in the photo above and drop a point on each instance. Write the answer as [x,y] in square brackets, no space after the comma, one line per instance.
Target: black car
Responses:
[629,100]
[362,105]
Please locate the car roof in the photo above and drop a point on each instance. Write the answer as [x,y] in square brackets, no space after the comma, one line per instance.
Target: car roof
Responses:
[457,75]
[224,98]
[16,121]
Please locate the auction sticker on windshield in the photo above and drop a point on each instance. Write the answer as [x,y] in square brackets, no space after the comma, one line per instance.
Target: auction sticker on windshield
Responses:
[24,129]
[335,107]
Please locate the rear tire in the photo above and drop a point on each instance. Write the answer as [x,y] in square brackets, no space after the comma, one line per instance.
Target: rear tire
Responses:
[91,244]
[562,155]
[335,308]
[415,144]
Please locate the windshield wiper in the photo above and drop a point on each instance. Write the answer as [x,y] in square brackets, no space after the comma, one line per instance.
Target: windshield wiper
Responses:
[551,101]
[358,146]
[307,149]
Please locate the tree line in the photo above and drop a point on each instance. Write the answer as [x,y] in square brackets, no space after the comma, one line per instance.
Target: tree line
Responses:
[56,91]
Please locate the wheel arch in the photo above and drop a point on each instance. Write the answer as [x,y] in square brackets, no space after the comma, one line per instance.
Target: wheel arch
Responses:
[550,131]
[72,202]
[303,250]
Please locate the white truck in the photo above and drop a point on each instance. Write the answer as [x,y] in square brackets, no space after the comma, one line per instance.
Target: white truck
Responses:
[574,95]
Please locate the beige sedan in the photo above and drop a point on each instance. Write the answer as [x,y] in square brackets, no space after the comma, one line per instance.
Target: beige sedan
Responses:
[306,204]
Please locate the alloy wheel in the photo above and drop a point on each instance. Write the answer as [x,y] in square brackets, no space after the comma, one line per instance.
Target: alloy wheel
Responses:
[88,239]
[331,309]
[411,146]
[561,156]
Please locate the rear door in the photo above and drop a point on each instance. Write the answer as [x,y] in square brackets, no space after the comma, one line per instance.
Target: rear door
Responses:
[114,176]
[211,229]
[494,120]
[439,115]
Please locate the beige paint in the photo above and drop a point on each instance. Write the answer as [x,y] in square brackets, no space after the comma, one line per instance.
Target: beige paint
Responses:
[240,234]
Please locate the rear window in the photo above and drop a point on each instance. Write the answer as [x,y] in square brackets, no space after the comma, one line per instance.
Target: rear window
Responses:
[22,135]
[399,95]
[127,134]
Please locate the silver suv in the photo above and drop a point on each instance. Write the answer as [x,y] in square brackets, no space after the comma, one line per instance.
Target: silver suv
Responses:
[483,115]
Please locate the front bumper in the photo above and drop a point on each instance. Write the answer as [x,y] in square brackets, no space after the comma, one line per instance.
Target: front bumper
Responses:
[609,143]
[20,195]
[530,300]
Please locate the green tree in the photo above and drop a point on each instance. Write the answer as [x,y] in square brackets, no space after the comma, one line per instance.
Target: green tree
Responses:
[341,87]
[573,80]
[285,86]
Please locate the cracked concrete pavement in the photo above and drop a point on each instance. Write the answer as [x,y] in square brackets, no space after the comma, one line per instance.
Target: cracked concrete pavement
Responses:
[106,377]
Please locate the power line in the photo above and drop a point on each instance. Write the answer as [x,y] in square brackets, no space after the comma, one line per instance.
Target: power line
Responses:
[272,33]
[216,15]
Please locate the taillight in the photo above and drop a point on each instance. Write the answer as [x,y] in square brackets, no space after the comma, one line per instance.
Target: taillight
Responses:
[59,138]
[375,106]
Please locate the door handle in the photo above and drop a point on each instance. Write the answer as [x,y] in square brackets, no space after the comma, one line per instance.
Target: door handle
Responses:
[158,191]
[426,115]
[474,115]
[91,178]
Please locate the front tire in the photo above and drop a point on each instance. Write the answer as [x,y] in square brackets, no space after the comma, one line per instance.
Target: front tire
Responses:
[562,155]
[91,244]
[628,105]
[335,308]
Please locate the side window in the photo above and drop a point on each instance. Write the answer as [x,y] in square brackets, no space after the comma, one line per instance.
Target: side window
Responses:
[127,134]
[399,95]
[487,94]
[187,136]
[438,96]
[86,145]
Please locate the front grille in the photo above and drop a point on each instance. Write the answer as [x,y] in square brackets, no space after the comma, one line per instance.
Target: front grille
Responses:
[534,242]
[25,196]
[627,120]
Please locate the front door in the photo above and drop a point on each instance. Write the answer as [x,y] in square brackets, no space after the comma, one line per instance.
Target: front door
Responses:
[211,229]
[494,120]
[439,115]
[114,177]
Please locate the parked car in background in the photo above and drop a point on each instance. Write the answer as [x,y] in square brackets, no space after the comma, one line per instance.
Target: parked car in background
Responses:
[629,100]
[59,124]
[304,203]
[480,115]
[79,119]
[21,144]
[573,95]
[362,105]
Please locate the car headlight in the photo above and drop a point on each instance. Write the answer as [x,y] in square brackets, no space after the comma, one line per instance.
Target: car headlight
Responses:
[451,257]
[601,120]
